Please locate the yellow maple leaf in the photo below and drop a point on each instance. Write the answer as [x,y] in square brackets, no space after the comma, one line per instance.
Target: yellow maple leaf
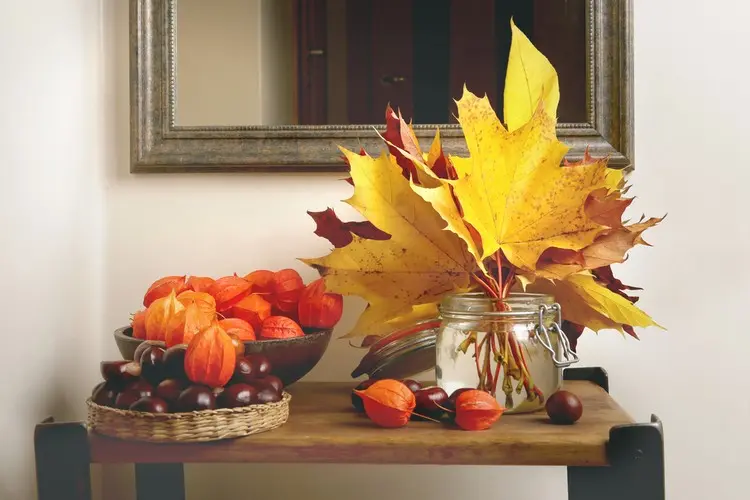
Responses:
[586,302]
[530,78]
[419,264]
[416,314]
[513,189]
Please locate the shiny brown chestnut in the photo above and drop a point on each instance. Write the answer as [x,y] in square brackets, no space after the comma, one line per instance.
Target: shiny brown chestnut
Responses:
[120,373]
[430,402]
[261,364]
[196,398]
[132,393]
[267,394]
[245,372]
[145,345]
[413,385]
[237,395]
[174,362]
[564,408]
[273,381]
[104,394]
[152,365]
[170,389]
[150,404]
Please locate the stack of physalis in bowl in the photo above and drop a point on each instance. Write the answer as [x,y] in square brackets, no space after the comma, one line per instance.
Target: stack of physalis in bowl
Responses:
[210,358]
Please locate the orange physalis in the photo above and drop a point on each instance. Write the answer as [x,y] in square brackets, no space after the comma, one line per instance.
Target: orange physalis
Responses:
[239,327]
[261,281]
[229,290]
[203,300]
[187,324]
[162,315]
[318,309]
[287,288]
[388,403]
[254,309]
[210,357]
[138,324]
[200,283]
[280,327]
[477,410]
[162,287]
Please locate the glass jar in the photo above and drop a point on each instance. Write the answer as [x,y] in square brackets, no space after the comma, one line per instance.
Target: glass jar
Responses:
[483,344]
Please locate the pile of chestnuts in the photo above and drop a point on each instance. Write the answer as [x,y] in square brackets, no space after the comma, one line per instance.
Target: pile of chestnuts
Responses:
[157,383]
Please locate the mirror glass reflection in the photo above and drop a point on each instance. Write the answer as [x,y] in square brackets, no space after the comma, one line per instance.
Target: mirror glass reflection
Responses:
[340,62]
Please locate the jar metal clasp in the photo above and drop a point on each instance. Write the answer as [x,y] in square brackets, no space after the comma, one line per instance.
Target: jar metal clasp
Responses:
[543,334]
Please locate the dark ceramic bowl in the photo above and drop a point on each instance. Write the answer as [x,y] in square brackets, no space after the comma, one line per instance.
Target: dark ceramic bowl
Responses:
[291,359]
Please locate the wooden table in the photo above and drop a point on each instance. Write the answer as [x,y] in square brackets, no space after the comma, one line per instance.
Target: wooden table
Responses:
[608,456]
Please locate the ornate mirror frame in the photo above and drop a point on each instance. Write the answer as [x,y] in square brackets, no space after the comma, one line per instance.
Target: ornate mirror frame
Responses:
[158,145]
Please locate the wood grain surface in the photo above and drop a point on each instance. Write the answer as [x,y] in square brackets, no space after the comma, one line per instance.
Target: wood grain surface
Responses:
[324,428]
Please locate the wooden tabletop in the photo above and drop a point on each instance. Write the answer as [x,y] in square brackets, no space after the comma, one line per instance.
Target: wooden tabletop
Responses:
[323,427]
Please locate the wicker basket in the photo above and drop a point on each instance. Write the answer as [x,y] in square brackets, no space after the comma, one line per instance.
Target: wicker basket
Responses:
[206,425]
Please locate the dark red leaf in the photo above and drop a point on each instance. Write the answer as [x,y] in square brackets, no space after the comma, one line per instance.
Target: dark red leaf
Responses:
[573,332]
[339,233]
[395,129]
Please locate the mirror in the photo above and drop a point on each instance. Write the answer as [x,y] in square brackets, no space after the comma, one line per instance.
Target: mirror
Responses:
[329,62]
[278,84]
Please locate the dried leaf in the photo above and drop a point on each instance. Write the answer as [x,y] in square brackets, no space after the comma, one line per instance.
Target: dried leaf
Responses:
[587,302]
[530,80]
[339,233]
[420,265]
[513,190]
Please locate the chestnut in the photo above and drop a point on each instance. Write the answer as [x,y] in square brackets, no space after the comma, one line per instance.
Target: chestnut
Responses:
[104,394]
[196,398]
[173,362]
[145,345]
[564,408]
[357,399]
[273,381]
[237,395]
[120,373]
[244,371]
[150,404]
[152,364]
[450,405]
[169,389]
[125,399]
[132,393]
[430,402]
[261,364]
[413,385]
[267,394]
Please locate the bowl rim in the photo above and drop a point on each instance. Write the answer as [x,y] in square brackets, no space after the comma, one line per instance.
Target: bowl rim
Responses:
[313,333]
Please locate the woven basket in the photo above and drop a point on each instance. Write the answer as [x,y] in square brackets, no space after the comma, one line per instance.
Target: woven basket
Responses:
[196,426]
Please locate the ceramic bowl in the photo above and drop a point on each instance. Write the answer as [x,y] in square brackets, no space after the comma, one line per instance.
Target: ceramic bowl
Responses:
[291,359]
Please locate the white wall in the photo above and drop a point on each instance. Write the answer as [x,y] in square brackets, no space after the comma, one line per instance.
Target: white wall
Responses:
[690,127]
[52,144]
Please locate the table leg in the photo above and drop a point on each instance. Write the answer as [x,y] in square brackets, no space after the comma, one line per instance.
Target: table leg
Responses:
[636,454]
[159,482]
[62,461]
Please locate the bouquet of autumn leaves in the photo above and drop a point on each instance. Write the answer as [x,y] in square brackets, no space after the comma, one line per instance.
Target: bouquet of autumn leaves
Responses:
[513,214]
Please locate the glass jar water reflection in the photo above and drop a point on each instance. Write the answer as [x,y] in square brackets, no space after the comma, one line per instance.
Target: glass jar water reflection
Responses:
[513,348]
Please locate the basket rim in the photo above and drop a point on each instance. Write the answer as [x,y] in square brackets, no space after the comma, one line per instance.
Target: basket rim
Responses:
[254,408]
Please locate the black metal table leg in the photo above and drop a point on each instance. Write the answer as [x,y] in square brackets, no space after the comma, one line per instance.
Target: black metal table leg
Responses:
[636,455]
[62,461]
[159,481]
